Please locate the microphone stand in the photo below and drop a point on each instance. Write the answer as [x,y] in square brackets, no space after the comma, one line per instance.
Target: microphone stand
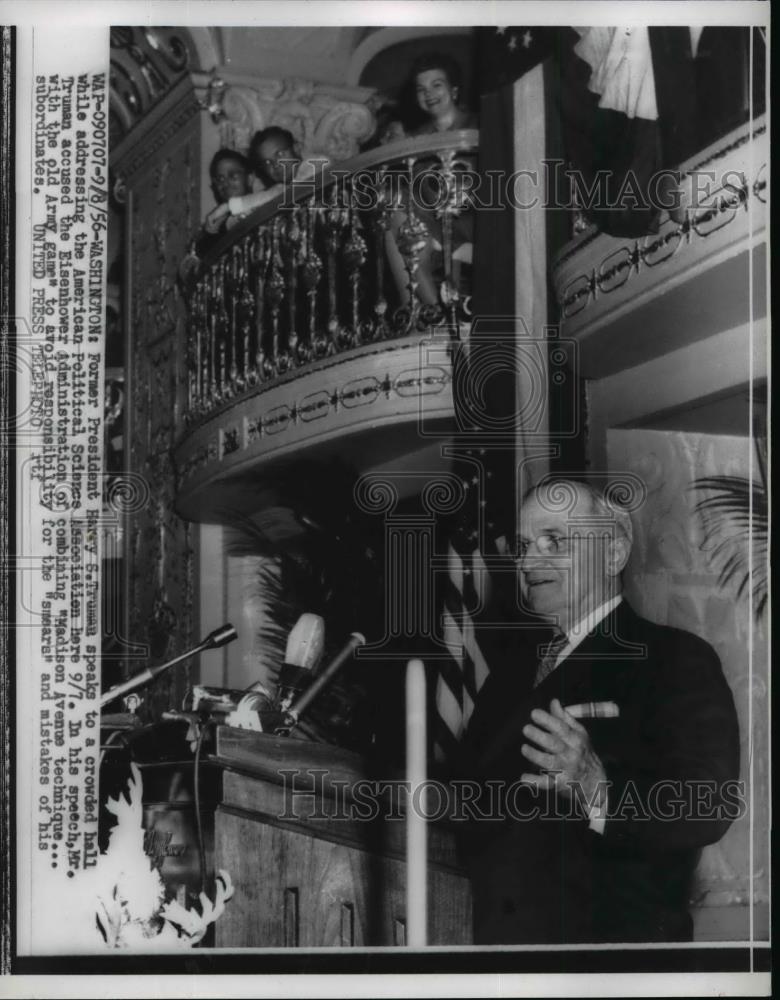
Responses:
[299,706]
[219,637]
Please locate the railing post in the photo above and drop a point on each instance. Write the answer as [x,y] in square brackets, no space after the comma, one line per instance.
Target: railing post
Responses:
[247,325]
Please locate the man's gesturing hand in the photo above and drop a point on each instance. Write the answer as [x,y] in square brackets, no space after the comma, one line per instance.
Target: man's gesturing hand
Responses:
[566,758]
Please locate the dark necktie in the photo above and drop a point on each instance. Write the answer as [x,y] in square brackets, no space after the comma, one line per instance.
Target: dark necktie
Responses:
[549,658]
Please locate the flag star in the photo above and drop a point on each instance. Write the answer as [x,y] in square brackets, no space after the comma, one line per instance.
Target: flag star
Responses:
[512,43]
[500,31]
[527,39]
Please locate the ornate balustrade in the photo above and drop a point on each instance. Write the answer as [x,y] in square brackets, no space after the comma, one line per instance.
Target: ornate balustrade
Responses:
[303,330]
[628,300]
[306,276]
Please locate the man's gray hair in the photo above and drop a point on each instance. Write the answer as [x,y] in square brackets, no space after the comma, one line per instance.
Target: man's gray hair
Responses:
[561,494]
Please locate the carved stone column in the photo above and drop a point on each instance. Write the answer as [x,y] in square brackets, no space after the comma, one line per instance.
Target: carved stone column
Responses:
[159,162]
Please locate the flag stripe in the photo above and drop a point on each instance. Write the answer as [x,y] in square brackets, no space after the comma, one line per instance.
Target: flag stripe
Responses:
[461,678]
[483,390]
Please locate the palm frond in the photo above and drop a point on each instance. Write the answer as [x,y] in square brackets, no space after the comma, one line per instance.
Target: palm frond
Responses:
[248,536]
[325,560]
[735,517]
[276,625]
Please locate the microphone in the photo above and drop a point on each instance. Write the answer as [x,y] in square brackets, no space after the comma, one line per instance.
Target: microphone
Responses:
[295,711]
[304,651]
[219,637]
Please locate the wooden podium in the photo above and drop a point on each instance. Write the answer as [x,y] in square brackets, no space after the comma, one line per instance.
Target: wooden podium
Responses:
[314,860]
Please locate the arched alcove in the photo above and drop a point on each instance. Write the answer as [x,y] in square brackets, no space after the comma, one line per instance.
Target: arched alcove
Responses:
[382,59]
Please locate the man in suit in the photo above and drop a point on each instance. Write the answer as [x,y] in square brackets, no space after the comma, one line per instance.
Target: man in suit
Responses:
[607,760]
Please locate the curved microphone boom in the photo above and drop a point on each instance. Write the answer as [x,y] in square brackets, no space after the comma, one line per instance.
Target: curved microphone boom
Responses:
[219,637]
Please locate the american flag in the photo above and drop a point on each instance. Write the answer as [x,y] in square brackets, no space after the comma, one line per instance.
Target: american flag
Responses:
[484,402]
[505,53]
[483,460]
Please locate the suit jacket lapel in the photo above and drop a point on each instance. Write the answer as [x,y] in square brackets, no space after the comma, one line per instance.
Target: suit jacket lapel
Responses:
[594,671]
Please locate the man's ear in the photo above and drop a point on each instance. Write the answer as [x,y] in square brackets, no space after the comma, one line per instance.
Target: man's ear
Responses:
[618,553]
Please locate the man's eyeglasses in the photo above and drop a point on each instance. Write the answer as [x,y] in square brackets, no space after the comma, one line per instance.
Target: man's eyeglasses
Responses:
[547,544]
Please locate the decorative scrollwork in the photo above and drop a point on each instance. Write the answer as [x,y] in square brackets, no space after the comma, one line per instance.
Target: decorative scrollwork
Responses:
[127,493]
[626,491]
[708,211]
[375,494]
[444,495]
[319,122]
[557,495]
[146,64]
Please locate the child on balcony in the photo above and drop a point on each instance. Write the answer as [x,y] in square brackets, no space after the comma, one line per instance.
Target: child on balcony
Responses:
[275,158]
[230,172]
[230,178]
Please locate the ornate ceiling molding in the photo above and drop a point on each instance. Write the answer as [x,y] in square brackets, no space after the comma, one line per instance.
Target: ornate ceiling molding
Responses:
[146,64]
[323,119]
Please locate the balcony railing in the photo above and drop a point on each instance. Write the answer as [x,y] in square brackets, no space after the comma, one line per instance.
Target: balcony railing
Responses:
[329,267]
[626,300]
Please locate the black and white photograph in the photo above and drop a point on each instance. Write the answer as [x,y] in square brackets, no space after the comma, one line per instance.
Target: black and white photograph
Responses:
[385,499]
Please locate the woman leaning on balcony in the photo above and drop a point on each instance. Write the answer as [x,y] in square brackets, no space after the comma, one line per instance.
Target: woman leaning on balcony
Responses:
[435,80]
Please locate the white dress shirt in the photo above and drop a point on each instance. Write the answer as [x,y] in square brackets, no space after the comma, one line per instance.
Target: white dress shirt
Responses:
[577,633]
[305,170]
[597,815]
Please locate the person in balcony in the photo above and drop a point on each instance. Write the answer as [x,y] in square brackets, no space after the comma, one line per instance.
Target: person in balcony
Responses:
[230,175]
[389,127]
[434,84]
[275,158]
[435,79]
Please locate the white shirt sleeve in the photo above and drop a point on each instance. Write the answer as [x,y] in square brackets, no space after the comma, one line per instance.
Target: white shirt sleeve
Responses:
[249,202]
[597,815]
[305,171]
